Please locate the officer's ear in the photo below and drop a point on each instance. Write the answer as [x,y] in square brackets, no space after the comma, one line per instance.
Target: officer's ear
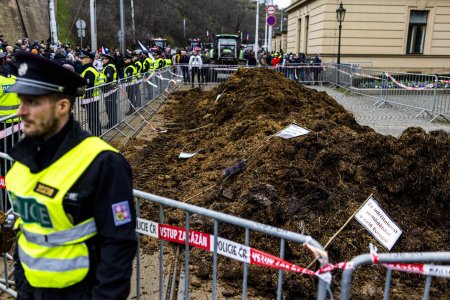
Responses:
[63,106]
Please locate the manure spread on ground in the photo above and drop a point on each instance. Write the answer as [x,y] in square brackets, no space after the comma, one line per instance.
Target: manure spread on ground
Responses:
[310,184]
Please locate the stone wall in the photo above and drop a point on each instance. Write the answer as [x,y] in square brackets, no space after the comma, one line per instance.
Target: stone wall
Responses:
[24,18]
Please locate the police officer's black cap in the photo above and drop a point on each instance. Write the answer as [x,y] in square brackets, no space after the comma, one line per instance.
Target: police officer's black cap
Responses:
[37,75]
[84,54]
[107,56]
[128,56]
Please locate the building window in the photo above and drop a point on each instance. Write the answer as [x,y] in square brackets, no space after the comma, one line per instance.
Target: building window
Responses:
[299,39]
[306,34]
[416,32]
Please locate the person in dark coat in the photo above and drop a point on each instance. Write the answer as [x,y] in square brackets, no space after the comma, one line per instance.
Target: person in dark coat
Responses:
[251,60]
[91,99]
[184,61]
[110,73]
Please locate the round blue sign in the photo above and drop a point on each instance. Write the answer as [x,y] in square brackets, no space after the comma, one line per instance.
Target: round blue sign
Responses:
[271,20]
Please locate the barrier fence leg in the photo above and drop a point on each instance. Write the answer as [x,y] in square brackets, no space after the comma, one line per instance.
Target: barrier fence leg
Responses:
[245,275]
[161,251]
[426,293]
[214,285]
[387,285]
[138,255]
[186,259]
[280,272]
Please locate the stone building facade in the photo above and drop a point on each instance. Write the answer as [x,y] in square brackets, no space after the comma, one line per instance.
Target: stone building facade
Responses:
[402,35]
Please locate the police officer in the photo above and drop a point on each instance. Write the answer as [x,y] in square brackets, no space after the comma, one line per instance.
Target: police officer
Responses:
[137,90]
[160,62]
[130,73]
[148,68]
[9,103]
[109,72]
[72,192]
[92,96]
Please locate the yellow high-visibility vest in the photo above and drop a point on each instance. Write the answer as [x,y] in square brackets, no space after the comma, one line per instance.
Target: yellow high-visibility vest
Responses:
[9,102]
[51,249]
[97,81]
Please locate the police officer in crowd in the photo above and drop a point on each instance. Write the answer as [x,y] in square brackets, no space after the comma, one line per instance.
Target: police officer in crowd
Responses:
[91,101]
[130,73]
[9,103]
[110,74]
[148,68]
[82,242]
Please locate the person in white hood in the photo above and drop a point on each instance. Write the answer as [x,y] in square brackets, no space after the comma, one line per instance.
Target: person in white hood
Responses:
[195,65]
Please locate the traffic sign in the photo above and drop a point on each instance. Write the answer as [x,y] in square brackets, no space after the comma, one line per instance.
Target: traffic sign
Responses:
[271,10]
[81,24]
[271,20]
[81,33]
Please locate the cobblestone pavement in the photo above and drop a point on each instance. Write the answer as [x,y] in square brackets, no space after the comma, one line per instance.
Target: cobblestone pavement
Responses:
[387,119]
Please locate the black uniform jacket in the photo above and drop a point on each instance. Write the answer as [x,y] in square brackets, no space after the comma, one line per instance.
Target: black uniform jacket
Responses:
[106,181]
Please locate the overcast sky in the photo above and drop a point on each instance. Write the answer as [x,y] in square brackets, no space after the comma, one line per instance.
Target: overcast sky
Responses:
[282,3]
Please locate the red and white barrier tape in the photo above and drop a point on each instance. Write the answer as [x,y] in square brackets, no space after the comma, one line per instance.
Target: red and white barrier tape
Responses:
[423,269]
[10,130]
[2,182]
[175,74]
[367,76]
[373,253]
[338,266]
[225,247]
[161,78]
[428,86]
[339,70]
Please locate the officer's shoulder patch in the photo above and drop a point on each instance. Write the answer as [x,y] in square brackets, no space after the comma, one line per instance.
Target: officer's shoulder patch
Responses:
[121,213]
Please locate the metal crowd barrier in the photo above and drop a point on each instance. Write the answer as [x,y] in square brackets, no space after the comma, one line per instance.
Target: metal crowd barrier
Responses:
[441,107]
[9,135]
[104,107]
[411,262]
[304,73]
[216,217]
[429,94]
[208,74]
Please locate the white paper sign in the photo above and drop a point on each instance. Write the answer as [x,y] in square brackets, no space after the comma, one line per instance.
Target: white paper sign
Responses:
[186,155]
[378,223]
[146,227]
[292,131]
[231,249]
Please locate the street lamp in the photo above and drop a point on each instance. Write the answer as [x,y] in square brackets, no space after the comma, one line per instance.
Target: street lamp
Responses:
[340,14]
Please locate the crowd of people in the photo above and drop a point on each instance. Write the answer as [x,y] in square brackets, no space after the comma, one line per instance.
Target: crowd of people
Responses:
[98,67]
[102,66]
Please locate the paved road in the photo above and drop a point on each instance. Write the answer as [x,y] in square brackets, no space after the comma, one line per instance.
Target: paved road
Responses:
[387,119]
